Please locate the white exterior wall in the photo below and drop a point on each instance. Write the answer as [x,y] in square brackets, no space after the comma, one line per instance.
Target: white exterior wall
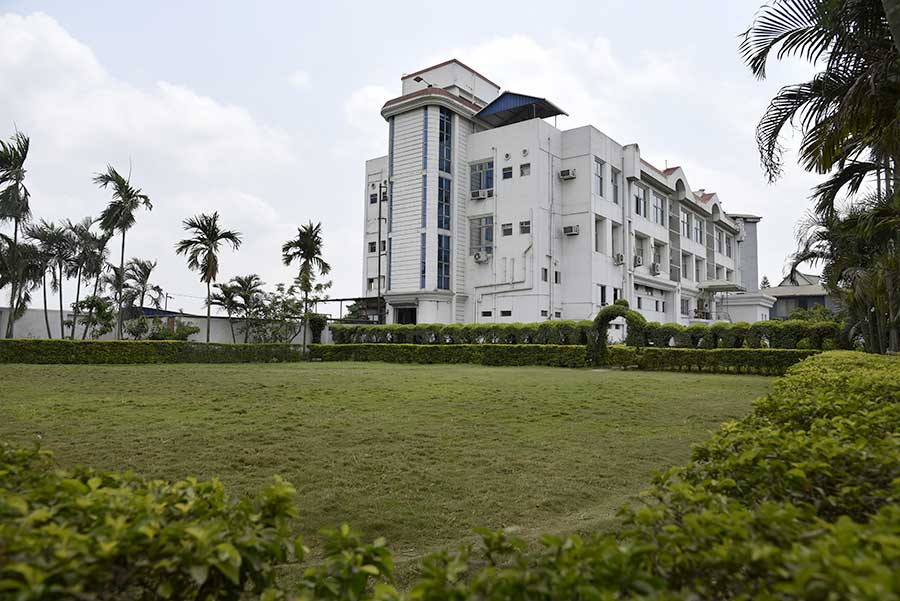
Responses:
[509,287]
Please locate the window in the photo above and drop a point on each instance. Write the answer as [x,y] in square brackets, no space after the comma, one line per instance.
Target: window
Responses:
[486,313]
[383,245]
[617,294]
[640,201]
[658,253]
[640,303]
[686,224]
[616,238]
[698,270]
[507,173]
[481,175]
[639,244]
[602,295]
[662,306]
[729,245]
[422,263]
[425,141]
[444,201]
[524,169]
[373,198]
[698,230]
[685,267]
[543,312]
[615,186]
[656,305]
[524,227]
[545,273]
[558,314]
[505,313]
[659,209]
[424,201]
[685,306]
[720,241]
[506,229]
[373,247]
[443,263]
[445,141]
[600,235]
[557,277]
[598,177]
[370,283]
[389,253]
[481,234]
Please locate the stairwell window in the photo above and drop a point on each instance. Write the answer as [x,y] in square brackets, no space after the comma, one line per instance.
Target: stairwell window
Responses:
[443,264]
[422,263]
[444,201]
[445,141]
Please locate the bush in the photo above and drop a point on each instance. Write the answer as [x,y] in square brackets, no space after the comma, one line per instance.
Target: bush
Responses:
[482,354]
[759,361]
[141,351]
[546,332]
[799,500]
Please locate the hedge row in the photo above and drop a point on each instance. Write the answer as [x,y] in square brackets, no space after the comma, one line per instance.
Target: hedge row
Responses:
[771,334]
[740,360]
[141,351]
[481,354]
[799,500]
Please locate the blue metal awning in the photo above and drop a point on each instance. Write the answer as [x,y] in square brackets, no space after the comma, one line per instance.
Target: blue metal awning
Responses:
[510,107]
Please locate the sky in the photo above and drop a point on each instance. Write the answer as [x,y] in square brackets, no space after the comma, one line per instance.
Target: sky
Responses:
[267,111]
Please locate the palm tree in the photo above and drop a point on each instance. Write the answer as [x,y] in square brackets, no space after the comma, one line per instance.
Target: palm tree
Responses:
[249,290]
[119,216]
[226,298]
[202,251]
[892,13]
[94,265]
[137,278]
[42,235]
[21,265]
[83,241]
[307,249]
[14,206]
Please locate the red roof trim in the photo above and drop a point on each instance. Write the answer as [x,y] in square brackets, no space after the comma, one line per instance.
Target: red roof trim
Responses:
[452,60]
[437,91]
[672,170]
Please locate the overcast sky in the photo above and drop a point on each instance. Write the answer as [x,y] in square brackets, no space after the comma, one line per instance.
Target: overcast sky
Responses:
[267,111]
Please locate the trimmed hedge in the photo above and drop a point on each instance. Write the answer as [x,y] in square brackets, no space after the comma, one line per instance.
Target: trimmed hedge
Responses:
[799,500]
[789,334]
[741,360]
[142,351]
[482,354]
[546,332]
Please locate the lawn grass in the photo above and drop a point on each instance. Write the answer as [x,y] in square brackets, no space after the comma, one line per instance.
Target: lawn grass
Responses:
[418,454]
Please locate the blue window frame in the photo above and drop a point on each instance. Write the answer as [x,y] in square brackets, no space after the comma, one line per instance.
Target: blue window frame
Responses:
[424,200]
[444,202]
[422,264]
[389,255]
[425,141]
[481,175]
[443,262]
[445,136]
[390,217]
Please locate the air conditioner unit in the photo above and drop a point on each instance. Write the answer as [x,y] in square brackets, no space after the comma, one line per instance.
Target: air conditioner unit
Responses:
[620,259]
[481,257]
[638,260]
[479,194]
[566,174]
[570,230]
[654,268]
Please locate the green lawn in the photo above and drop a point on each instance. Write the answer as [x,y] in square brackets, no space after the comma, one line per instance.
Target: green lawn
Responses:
[418,454]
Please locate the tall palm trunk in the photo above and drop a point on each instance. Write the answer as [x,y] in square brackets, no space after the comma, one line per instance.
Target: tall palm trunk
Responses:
[231,325]
[91,311]
[10,328]
[892,12]
[208,309]
[46,313]
[119,283]
[305,311]
[62,327]
[75,306]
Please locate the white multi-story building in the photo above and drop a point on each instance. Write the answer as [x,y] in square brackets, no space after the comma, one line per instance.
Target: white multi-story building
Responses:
[483,211]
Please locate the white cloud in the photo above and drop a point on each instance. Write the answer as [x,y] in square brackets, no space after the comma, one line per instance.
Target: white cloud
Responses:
[362,111]
[299,79]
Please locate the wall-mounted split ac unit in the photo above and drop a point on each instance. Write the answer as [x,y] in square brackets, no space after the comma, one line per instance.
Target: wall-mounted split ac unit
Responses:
[638,261]
[620,259]
[481,257]
[654,268]
[566,174]
[570,230]
[479,194]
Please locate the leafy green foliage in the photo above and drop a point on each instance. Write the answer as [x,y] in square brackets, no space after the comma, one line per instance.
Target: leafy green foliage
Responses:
[141,351]
[759,361]
[547,332]
[556,355]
